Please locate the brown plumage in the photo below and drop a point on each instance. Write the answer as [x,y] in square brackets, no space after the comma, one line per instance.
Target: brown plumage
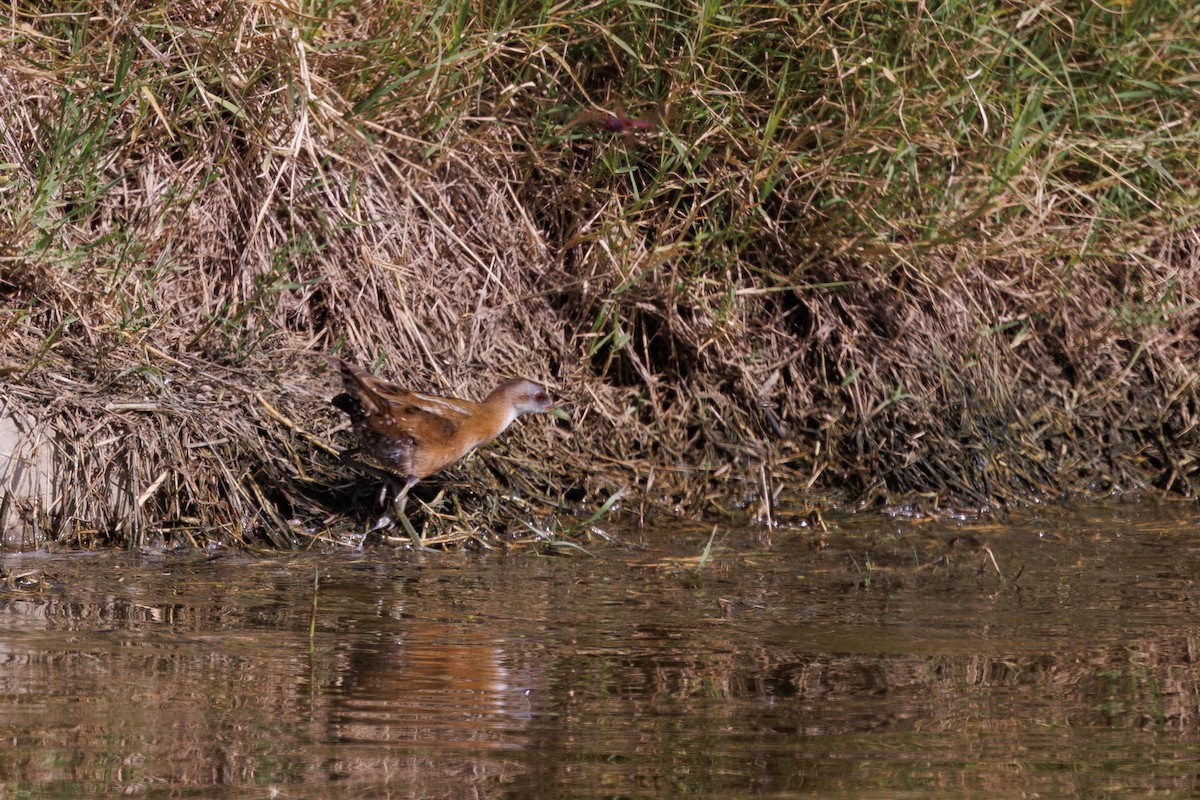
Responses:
[617,121]
[612,121]
[405,436]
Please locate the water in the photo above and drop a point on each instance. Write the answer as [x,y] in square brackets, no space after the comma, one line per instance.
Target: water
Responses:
[895,659]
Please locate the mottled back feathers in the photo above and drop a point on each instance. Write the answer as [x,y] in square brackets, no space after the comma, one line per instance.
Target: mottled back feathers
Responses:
[415,435]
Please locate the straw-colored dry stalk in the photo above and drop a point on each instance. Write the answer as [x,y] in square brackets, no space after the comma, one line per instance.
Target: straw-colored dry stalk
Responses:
[751,294]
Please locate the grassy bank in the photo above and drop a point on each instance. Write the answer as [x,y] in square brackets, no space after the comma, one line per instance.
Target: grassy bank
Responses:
[876,252]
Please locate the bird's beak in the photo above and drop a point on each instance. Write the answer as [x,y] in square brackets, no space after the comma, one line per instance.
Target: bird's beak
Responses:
[559,413]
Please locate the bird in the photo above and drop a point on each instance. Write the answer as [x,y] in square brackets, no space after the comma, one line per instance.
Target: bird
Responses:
[615,121]
[612,121]
[404,437]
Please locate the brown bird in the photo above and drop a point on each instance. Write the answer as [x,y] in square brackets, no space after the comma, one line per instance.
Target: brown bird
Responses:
[405,436]
[615,121]
[611,121]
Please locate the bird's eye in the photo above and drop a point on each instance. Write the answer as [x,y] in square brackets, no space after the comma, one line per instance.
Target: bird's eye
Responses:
[540,397]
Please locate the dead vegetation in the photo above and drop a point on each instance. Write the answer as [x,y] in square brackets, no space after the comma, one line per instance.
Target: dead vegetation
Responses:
[845,256]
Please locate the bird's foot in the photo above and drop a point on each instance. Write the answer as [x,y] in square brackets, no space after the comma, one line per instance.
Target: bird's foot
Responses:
[389,520]
[417,540]
[371,534]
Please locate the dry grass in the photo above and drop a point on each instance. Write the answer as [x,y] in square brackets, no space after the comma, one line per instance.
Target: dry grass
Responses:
[866,249]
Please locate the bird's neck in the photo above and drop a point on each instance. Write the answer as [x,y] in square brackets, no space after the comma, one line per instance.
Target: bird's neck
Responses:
[490,419]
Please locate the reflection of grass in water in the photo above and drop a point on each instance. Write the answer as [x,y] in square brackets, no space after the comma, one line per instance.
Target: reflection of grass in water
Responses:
[932,683]
[865,571]
[1135,698]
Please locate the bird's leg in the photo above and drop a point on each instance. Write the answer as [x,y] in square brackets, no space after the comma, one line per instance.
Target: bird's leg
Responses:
[398,504]
[398,509]
[389,483]
[384,521]
[348,458]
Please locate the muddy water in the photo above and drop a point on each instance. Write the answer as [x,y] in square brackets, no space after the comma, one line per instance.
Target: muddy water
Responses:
[883,659]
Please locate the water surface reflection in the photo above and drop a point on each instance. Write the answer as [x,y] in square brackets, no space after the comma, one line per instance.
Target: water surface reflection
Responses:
[912,658]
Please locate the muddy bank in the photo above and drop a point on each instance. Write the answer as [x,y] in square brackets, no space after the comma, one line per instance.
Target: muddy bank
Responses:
[833,278]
